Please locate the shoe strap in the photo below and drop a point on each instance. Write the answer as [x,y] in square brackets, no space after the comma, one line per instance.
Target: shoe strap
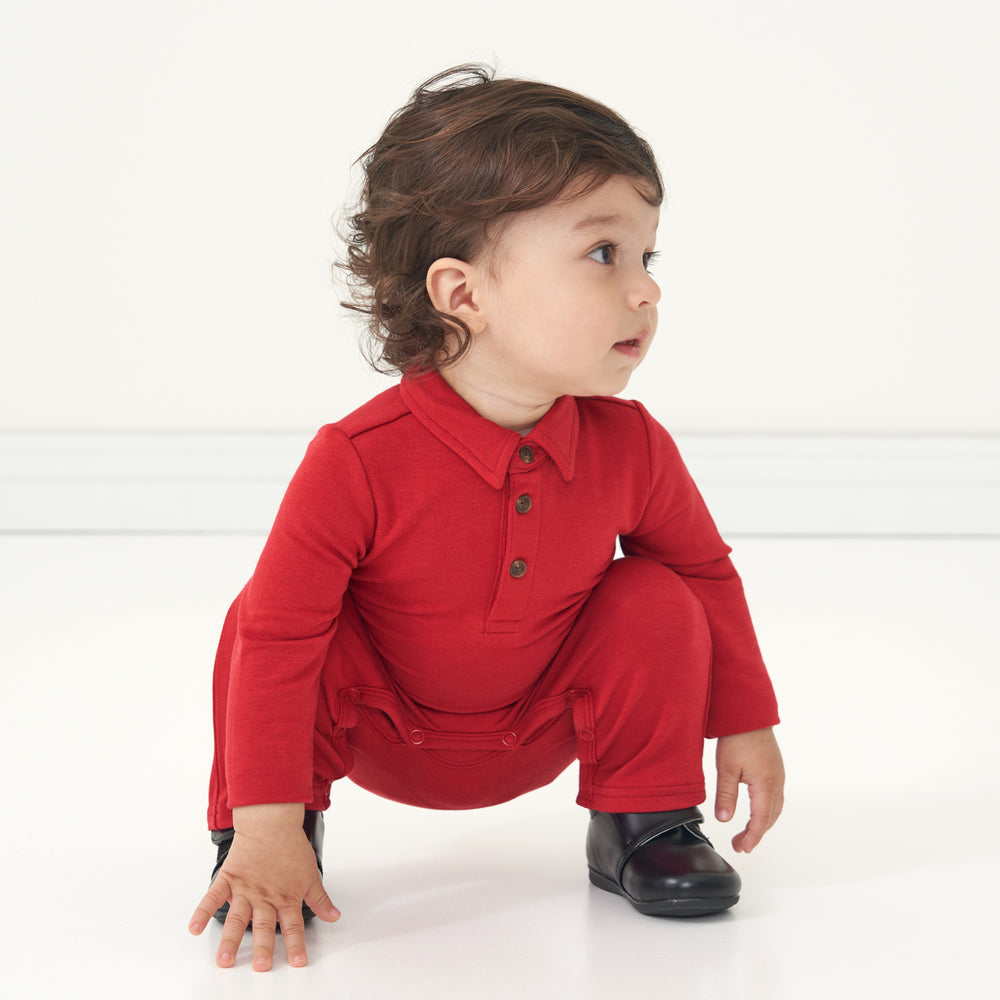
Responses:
[639,829]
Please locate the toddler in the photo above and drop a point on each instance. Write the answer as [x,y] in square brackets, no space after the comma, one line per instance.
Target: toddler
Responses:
[438,612]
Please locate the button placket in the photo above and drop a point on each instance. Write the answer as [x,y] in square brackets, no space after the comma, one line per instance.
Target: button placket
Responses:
[525,476]
[518,568]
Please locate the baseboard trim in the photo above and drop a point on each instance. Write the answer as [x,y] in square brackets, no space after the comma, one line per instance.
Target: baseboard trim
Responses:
[755,484]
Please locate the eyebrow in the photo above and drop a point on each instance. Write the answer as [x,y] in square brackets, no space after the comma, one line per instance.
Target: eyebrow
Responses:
[598,222]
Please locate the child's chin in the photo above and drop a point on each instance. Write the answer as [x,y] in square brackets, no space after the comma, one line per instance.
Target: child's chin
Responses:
[620,385]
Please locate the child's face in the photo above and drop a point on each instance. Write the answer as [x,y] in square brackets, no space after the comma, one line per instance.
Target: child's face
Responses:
[568,305]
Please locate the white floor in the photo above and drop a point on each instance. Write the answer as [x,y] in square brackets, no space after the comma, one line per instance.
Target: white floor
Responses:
[879,880]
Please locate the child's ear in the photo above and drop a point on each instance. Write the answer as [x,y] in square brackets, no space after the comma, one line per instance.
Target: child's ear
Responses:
[452,285]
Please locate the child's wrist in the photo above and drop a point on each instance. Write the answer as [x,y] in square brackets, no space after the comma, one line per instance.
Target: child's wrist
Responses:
[270,815]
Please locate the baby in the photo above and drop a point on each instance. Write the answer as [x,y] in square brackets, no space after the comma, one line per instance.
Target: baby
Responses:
[438,612]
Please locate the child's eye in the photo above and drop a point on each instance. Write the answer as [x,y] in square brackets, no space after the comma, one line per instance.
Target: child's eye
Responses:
[604,254]
[649,259]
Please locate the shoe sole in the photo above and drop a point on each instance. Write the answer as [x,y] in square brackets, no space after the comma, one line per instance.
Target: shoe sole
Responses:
[666,907]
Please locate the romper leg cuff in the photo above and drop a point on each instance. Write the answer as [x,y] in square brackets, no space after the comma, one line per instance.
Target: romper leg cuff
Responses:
[660,798]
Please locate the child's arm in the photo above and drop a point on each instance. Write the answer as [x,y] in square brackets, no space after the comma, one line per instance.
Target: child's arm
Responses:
[752,759]
[287,619]
[675,528]
[270,870]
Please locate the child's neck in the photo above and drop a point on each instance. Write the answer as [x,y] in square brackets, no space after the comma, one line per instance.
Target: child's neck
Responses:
[492,399]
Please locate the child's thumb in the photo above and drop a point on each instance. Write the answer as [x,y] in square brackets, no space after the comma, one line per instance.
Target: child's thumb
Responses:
[320,903]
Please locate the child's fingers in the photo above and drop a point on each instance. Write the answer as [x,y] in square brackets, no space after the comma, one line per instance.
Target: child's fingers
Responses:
[265,922]
[726,794]
[293,931]
[748,838]
[218,893]
[232,931]
[765,808]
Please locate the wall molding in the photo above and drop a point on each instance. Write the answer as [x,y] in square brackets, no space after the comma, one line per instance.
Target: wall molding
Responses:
[755,484]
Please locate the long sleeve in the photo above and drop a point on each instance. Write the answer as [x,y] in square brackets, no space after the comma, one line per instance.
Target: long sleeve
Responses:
[287,618]
[677,530]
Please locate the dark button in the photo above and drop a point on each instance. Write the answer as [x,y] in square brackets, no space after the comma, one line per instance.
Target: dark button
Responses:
[509,739]
[518,568]
[417,736]
[527,454]
[522,504]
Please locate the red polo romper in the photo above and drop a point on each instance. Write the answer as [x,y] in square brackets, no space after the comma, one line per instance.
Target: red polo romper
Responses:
[438,614]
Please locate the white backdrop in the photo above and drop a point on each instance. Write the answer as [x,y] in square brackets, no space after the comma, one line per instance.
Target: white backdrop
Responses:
[830,262]
[171,169]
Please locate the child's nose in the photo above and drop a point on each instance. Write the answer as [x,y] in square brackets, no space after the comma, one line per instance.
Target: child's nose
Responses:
[645,292]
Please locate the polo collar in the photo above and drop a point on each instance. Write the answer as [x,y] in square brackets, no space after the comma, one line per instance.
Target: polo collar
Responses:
[485,446]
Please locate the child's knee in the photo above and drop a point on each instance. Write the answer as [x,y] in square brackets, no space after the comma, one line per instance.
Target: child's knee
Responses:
[647,595]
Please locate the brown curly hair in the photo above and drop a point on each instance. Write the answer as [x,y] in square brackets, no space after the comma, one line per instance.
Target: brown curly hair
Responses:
[465,151]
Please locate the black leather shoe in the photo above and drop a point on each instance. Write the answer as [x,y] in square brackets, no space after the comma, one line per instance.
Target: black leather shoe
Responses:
[660,862]
[223,839]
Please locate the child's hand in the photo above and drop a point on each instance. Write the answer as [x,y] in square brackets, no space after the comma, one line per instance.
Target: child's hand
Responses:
[270,870]
[752,759]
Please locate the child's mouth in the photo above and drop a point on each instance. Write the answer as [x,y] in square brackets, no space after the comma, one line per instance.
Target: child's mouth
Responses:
[629,347]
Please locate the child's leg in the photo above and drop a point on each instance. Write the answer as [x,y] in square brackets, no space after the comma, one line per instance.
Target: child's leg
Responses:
[220,816]
[639,657]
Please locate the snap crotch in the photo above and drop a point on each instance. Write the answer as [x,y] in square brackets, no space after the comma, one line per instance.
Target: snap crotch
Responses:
[382,712]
